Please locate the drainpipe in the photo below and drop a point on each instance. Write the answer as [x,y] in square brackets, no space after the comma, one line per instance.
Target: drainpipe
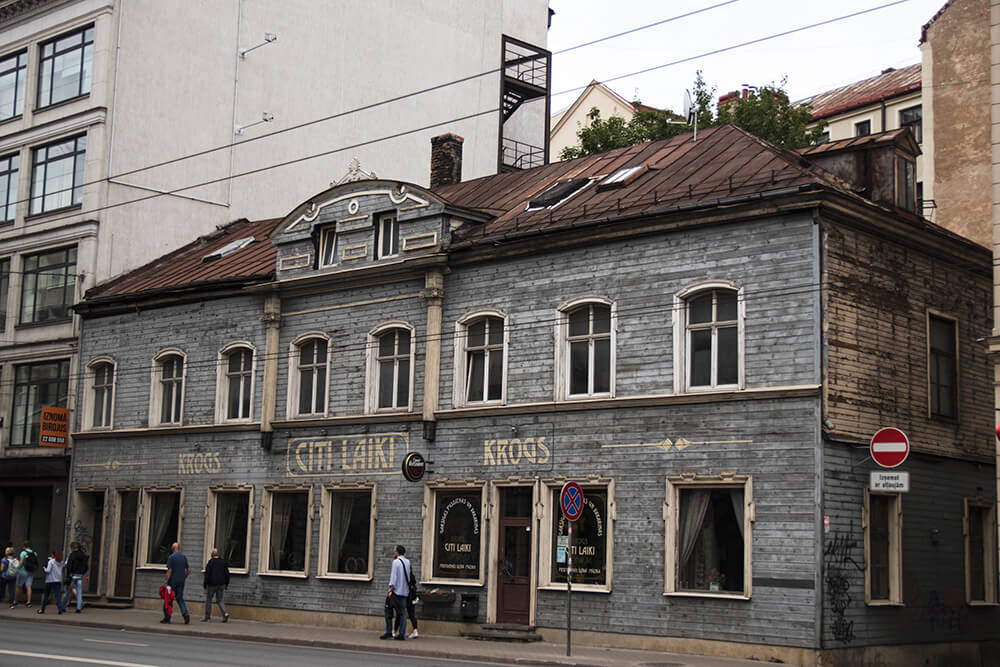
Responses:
[271,317]
[433,293]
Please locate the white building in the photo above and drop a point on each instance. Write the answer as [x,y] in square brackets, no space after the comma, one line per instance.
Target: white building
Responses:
[129,126]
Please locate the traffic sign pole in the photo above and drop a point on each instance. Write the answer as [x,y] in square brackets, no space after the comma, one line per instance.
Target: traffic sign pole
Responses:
[569,588]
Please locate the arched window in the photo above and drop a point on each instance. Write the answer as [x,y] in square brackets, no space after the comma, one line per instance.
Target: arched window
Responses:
[586,348]
[481,358]
[390,362]
[711,330]
[234,397]
[167,392]
[308,375]
[99,393]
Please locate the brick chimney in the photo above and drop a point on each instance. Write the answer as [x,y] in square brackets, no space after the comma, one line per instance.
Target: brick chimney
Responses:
[446,159]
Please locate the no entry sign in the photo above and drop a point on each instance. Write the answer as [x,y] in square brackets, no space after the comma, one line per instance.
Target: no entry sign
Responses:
[889,447]
[571,501]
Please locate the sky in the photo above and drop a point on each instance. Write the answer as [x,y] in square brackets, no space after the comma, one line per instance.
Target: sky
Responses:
[813,60]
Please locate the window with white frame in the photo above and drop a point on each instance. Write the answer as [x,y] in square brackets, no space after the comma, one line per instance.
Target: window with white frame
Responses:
[309,366]
[709,521]
[161,525]
[390,360]
[227,525]
[980,551]
[454,538]
[66,67]
[942,366]
[386,236]
[13,68]
[585,351]
[48,286]
[57,175]
[481,359]
[166,396]
[708,337]
[328,246]
[286,531]
[883,522]
[347,531]
[234,398]
[592,543]
[99,395]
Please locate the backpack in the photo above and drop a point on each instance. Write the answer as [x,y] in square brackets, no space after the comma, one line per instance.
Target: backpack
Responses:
[412,583]
[30,562]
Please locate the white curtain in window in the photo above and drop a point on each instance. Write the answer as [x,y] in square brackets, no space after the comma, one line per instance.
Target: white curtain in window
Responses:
[225,520]
[341,521]
[161,511]
[736,496]
[692,515]
[281,518]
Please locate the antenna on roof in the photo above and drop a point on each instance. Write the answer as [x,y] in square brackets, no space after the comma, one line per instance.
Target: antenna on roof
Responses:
[690,113]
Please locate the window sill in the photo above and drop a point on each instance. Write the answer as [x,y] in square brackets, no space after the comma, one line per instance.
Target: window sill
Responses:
[35,325]
[884,603]
[709,390]
[982,603]
[41,214]
[470,583]
[12,119]
[289,575]
[577,588]
[708,594]
[60,103]
[345,577]
[153,567]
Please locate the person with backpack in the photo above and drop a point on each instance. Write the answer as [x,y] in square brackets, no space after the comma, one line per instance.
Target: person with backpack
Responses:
[53,579]
[76,567]
[26,577]
[411,601]
[11,572]
[4,568]
[399,590]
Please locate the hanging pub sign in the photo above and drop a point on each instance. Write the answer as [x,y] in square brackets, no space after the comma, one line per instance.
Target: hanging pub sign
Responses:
[54,427]
[588,547]
[457,533]
[414,466]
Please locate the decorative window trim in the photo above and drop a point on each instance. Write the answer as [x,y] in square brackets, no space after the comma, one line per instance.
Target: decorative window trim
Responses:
[145,506]
[372,370]
[88,392]
[155,389]
[211,507]
[265,530]
[546,513]
[958,364]
[353,252]
[458,384]
[562,366]
[222,382]
[989,551]
[419,241]
[292,407]
[895,549]
[681,354]
[671,518]
[428,514]
[329,489]
[392,218]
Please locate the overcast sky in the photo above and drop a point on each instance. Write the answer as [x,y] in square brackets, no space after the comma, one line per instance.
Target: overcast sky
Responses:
[813,60]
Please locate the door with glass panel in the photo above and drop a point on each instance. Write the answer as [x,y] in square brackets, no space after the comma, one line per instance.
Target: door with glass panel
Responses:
[514,556]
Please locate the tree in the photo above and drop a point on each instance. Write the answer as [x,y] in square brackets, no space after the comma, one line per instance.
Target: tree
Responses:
[764,112]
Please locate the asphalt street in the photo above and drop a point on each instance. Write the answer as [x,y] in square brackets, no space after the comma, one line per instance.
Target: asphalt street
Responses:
[27,644]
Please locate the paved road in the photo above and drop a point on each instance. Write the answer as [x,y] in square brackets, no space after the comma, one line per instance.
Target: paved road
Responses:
[27,644]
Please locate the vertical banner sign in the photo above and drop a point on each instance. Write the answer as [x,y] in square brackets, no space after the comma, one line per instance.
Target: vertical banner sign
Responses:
[571,503]
[54,430]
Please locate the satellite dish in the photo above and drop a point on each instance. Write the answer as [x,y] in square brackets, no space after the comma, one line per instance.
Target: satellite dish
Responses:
[688,108]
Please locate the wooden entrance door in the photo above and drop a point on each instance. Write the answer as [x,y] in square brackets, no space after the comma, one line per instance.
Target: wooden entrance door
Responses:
[125,553]
[514,551]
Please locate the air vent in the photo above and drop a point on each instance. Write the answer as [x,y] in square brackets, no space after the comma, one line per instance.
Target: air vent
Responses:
[558,192]
[228,249]
[622,177]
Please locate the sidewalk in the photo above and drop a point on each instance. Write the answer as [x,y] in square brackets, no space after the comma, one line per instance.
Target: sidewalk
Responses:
[427,646]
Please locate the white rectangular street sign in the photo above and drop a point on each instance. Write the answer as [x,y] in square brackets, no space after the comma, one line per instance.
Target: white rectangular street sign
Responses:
[898,482]
[562,541]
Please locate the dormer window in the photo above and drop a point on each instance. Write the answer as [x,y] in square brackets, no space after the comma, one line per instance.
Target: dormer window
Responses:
[906,184]
[558,192]
[328,246]
[386,236]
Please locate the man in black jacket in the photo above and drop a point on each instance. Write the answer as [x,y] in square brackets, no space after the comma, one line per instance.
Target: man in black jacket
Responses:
[216,581]
[76,568]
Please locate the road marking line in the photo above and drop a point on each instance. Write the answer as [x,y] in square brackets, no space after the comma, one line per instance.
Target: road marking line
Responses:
[70,658]
[108,641]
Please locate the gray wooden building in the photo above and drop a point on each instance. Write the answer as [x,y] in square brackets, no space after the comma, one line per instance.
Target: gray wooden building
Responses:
[703,334]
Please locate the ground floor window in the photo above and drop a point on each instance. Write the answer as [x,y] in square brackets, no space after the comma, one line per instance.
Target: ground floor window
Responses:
[980,551]
[591,544]
[347,532]
[228,525]
[286,531]
[455,536]
[161,523]
[708,525]
[883,551]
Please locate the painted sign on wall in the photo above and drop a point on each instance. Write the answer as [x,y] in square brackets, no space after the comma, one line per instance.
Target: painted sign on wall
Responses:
[369,453]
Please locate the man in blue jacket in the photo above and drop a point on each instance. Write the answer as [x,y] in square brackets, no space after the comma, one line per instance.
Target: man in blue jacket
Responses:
[177,574]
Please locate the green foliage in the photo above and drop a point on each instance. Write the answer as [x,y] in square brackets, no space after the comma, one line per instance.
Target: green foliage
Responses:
[765,113]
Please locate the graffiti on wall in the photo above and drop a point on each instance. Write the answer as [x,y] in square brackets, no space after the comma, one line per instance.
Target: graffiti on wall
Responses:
[839,563]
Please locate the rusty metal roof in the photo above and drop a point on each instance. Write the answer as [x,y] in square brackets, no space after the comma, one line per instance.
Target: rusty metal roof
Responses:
[890,83]
[188,267]
[897,136]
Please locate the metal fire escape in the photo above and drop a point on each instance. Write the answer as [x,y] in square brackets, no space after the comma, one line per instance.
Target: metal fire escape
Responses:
[526,77]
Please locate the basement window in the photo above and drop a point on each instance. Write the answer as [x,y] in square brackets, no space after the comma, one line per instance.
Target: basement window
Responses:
[558,192]
[622,177]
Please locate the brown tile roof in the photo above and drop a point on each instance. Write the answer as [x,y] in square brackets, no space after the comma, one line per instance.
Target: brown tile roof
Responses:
[724,162]
[187,267]
[890,83]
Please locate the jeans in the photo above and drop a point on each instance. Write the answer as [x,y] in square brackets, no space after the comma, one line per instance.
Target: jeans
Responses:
[76,581]
[51,588]
[397,604]
[216,592]
[11,587]
[178,587]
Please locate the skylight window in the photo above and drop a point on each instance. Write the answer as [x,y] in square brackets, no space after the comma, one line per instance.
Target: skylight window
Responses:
[622,177]
[228,249]
[558,192]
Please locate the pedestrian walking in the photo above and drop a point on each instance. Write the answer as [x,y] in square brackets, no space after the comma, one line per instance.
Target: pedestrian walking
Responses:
[76,567]
[26,576]
[53,580]
[5,580]
[395,600]
[214,583]
[11,572]
[411,602]
[177,574]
